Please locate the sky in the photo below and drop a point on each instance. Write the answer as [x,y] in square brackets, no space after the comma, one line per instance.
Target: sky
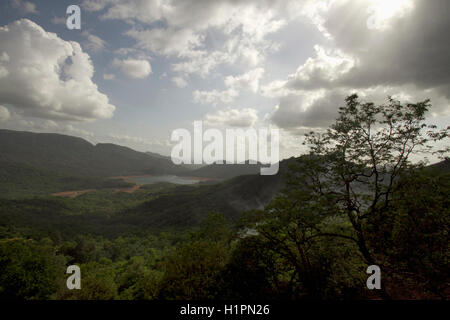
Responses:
[137,70]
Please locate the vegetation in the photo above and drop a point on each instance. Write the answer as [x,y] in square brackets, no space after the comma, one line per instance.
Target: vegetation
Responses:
[23,181]
[355,189]
[76,157]
[355,200]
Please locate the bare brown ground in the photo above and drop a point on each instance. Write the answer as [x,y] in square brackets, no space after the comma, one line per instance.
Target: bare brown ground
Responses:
[76,193]
[129,190]
[71,194]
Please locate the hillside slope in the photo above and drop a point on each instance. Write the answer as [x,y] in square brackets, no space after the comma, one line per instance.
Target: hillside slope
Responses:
[76,156]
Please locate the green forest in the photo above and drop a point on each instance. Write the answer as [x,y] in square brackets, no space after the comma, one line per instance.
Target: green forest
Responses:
[363,195]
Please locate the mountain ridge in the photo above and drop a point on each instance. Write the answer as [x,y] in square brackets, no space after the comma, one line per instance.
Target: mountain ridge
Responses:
[75,156]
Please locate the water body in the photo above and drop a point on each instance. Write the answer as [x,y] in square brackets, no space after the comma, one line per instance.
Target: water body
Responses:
[164,178]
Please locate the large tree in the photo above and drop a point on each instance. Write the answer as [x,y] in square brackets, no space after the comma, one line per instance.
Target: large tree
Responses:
[349,179]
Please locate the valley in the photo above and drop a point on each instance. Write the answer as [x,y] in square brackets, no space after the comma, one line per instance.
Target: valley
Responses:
[139,224]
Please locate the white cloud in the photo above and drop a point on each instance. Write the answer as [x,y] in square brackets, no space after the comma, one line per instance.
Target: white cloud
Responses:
[319,108]
[311,109]
[139,143]
[17,122]
[4,114]
[249,80]
[146,11]
[276,89]
[134,68]
[395,48]
[59,20]
[324,70]
[254,17]
[176,42]
[25,7]
[180,82]
[232,118]
[127,139]
[108,76]
[187,24]
[410,51]
[48,77]
[4,59]
[202,62]
[93,43]
[215,97]
[72,130]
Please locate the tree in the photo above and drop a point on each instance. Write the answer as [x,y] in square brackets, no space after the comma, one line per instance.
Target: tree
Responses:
[29,269]
[363,155]
[192,271]
[413,239]
[351,175]
[138,281]
[194,268]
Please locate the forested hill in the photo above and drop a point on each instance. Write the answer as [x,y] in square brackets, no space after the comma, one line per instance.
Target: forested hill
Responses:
[75,156]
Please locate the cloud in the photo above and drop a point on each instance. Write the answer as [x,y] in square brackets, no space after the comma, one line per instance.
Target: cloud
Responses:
[42,75]
[93,43]
[325,70]
[4,114]
[108,76]
[232,118]
[4,59]
[139,143]
[133,68]
[24,6]
[249,80]
[215,97]
[181,29]
[202,62]
[146,11]
[175,42]
[319,108]
[72,130]
[17,122]
[396,48]
[131,139]
[410,50]
[195,14]
[276,89]
[180,82]
[311,109]
[59,20]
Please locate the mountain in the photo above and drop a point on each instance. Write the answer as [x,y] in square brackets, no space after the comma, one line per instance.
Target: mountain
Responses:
[441,167]
[75,156]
